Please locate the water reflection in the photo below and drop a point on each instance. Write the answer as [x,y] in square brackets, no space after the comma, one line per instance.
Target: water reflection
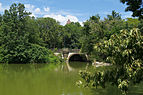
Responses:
[35,79]
[40,79]
[75,65]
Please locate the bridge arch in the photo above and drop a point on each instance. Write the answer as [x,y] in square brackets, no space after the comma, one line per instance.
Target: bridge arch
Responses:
[77,57]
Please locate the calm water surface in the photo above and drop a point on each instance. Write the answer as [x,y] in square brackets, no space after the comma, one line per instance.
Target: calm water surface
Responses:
[44,79]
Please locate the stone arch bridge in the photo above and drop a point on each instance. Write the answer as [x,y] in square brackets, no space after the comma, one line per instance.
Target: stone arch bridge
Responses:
[71,55]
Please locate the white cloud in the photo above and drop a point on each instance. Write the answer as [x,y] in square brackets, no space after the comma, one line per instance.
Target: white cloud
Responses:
[47,9]
[0,6]
[32,15]
[32,9]
[81,23]
[37,10]
[29,7]
[126,15]
[63,19]
[61,16]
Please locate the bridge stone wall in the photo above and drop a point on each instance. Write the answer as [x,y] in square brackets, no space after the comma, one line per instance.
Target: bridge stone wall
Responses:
[67,53]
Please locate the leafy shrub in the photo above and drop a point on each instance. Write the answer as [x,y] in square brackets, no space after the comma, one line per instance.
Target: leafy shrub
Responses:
[28,54]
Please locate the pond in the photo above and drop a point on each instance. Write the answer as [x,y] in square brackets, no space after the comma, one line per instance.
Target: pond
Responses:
[44,79]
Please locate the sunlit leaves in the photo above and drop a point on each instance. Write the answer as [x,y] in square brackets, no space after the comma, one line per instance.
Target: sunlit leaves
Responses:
[124,51]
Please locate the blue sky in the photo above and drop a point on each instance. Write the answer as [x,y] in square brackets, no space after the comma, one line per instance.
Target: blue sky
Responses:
[75,10]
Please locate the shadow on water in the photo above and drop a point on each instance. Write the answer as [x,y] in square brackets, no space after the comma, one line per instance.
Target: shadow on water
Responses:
[136,90]
[109,90]
[21,67]
[78,65]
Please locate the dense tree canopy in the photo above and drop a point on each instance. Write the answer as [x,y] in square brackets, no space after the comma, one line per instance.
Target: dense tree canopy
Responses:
[50,32]
[96,30]
[20,39]
[72,34]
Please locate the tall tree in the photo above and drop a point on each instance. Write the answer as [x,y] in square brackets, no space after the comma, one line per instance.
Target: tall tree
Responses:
[14,35]
[72,34]
[19,38]
[92,33]
[33,31]
[50,32]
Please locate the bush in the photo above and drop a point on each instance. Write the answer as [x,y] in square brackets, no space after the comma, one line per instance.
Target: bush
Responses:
[28,54]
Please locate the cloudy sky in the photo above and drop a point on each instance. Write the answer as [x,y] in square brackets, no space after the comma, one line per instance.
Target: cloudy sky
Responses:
[75,10]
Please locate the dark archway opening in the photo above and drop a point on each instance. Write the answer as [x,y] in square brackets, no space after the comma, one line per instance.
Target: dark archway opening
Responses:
[78,61]
[78,58]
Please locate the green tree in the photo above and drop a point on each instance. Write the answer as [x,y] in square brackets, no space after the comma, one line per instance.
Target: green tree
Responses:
[50,32]
[72,34]
[136,6]
[113,23]
[114,16]
[33,31]
[92,33]
[131,23]
[96,31]
[124,52]
[13,30]
[19,38]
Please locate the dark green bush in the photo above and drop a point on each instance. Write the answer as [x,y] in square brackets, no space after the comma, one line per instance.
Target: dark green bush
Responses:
[28,54]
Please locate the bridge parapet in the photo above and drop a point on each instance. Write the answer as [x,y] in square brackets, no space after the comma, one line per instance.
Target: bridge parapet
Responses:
[66,50]
[74,50]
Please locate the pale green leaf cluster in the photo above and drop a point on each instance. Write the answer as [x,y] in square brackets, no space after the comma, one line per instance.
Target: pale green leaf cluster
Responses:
[124,52]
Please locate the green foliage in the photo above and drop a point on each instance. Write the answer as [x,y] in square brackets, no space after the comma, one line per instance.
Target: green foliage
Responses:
[114,16]
[38,54]
[29,54]
[33,31]
[133,22]
[92,33]
[19,32]
[72,34]
[136,6]
[124,51]
[140,26]
[20,38]
[50,32]
[96,31]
